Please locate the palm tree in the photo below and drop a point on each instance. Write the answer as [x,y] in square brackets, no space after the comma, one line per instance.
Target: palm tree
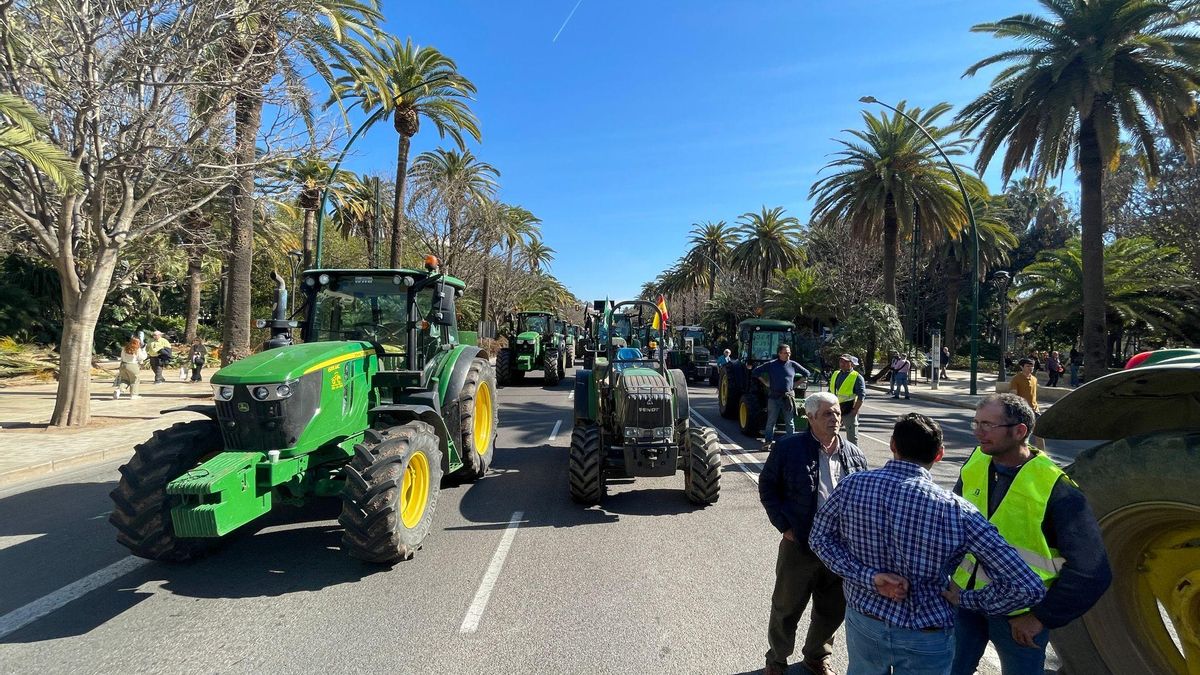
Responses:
[889,171]
[268,39]
[21,125]
[354,210]
[455,180]
[537,255]
[309,175]
[770,241]
[1144,283]
[995,242]
[711,244]
[1091,70]
[395,68]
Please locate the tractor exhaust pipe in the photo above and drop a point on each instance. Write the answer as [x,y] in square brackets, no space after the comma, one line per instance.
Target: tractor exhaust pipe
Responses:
[281,327]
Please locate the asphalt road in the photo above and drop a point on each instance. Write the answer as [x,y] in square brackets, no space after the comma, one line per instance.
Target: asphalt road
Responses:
[514,578]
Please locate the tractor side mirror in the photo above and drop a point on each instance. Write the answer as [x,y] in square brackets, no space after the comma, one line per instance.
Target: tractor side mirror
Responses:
[442,312]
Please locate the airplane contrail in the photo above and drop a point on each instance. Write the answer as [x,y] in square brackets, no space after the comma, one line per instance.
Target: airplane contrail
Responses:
[567,20]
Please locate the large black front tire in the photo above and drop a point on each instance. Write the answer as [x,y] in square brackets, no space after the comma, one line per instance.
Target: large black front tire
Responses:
[728,397]
[477,420]
[552,366]
[702,478]
[141,506]
[505,367]
[391,491]
[585,465]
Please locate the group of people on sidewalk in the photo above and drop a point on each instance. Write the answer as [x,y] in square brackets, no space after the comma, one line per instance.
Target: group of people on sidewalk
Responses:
[159,355]
[924,578]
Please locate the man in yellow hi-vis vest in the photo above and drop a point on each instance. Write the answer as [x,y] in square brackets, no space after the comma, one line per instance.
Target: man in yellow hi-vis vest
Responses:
[851,389]
[1040,512]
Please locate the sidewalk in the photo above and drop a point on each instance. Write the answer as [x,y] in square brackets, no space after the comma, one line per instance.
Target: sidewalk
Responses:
[29,449]
[956,389]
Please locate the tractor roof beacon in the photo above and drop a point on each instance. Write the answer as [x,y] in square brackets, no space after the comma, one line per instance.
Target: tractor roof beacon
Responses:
[632,416]
[375,406]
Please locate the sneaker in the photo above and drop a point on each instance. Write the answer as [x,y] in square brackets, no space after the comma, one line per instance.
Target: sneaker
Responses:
[116,394]
[135,397]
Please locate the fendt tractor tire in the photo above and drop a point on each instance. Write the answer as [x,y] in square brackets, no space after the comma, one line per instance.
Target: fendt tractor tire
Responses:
[141,506]
[585,465]
[477,420]
[391,492]
[702,479]
[1142,490]
[552,367]
[728,397]
[504,367]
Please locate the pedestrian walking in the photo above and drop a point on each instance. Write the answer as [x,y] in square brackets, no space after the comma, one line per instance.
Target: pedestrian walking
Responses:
[1054,369]
[891,534]
[129,363]
[160,355]
[851,390]
[901,367]
[799,475]
[197,355]
[780,376]
[1025,384]
[1041,512]
[945,362]
[1076,362]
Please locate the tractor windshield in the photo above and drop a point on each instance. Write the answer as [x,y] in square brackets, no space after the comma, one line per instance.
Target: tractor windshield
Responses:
[362,308]
[696,335]
[536,323]
[764,345]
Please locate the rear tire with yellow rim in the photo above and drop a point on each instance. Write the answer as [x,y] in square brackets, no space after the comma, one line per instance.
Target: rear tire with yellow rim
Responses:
[477,420]
[391,490]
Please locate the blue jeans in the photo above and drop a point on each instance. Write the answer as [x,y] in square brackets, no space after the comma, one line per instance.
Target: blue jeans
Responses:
[775,408]
[900,380]
[972,632]
[1074,374]
[878,648]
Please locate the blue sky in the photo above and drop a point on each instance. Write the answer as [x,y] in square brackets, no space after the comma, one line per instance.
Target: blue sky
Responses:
[646,117]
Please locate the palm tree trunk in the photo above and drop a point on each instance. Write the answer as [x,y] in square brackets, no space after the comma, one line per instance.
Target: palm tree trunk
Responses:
[486,290]
[81,311]
[195,282]
[953,287]
[398,202]
[1091,203]
[248,119]
[891,250]
[310,237]
[712,281]
[762,292]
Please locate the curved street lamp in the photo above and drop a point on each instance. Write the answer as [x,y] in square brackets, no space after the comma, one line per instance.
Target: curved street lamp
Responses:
[974,233]
[354,137]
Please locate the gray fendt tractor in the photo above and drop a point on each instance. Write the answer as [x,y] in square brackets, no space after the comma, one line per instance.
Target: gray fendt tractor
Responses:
[632,415]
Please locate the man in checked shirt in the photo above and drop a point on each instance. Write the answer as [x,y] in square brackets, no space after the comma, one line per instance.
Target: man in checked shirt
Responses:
[895,536]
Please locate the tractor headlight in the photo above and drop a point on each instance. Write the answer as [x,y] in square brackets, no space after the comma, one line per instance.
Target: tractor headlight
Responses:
[324,279]
[632,432]
[283,391]
[663,432]
[260,393]
[222,392]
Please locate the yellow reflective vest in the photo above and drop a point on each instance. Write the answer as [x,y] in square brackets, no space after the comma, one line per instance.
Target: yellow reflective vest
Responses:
[845,393]
[1018,517]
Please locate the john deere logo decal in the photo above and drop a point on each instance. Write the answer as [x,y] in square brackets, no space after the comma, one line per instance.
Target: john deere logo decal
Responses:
[243,407]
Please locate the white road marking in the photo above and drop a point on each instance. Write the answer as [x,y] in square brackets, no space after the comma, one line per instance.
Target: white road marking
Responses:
[102,515]
[554,434]
[571,396]
[475,611]
[733,451]
[8,541]
[23,616]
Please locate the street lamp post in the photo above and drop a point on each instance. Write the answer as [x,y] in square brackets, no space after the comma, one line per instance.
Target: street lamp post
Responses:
[383,110]
[1002,278]
[295,258]
[974,233]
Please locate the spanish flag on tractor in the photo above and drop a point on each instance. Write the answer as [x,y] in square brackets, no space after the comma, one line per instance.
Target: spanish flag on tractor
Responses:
[662,307]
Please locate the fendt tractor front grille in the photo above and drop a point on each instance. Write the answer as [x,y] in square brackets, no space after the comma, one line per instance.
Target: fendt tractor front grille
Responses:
[644,402]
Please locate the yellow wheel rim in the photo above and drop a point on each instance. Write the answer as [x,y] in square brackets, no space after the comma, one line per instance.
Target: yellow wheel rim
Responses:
[724,392]
[744,415]
[483,418]
[414,490]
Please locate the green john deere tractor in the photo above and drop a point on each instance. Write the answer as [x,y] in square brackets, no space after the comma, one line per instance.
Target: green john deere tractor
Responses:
[1141,483]
[632,418]
[377,404]
[534,343]
[743,397]
[690,354]
[565,333]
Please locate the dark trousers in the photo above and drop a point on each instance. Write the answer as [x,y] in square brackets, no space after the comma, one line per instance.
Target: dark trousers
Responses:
[799,576]
[196,373]
[1052,378]
[156,365]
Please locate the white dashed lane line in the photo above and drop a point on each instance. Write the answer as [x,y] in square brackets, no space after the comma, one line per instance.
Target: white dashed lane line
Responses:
[554,434]
[479,604]
[23,616]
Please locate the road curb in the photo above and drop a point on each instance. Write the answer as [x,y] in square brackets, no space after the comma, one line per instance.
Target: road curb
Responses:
[935,398]
[42,469]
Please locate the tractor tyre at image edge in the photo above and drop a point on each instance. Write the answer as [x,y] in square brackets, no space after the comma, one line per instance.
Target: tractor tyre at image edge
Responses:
[141,506]
[585,465]
[391,491]
[477,420]
[702,477]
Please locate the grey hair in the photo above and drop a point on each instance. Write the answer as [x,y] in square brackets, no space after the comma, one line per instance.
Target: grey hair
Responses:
[1016,410]
[812,404]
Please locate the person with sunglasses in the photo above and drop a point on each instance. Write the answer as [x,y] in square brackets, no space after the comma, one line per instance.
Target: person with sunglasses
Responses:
[1039,511]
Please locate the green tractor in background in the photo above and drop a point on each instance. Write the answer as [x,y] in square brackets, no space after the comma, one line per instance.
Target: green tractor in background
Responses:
[577,339]
[691,355]
[743,397]
[533,344]
[377,404]
[563,330]
[632,416]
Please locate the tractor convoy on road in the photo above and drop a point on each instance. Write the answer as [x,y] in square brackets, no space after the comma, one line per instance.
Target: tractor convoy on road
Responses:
[383,402]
